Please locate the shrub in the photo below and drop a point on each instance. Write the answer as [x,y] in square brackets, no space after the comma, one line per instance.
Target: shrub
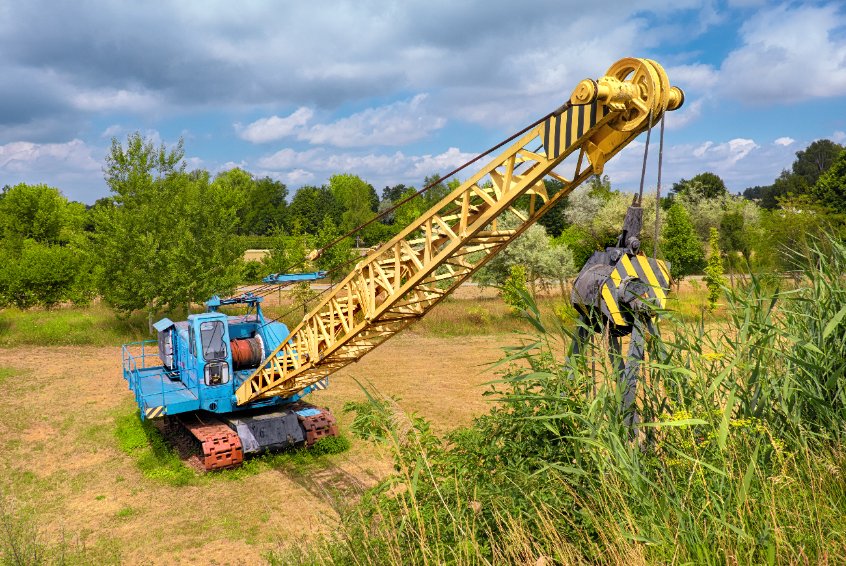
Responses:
[737,457]
[514,291]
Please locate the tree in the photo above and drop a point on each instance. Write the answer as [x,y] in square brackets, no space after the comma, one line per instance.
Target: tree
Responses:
[532,250]
[393,194]
[704,185]
[169,239]
[554,220]
[44,254]
[714,278]
[264,201]
[36,212]
[287,253]
[336,259]
[410,211]
[437,192]
[354,196]
[830,189]
[680,245]
[309,207]
[809,166]
[815,160]
[43,275]
[733,238]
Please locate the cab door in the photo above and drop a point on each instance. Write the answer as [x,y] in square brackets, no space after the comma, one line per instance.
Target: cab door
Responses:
[214,361]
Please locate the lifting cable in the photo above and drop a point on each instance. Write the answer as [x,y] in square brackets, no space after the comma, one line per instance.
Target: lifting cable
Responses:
[645,156]
[658,189]
[268,289]
[563,108]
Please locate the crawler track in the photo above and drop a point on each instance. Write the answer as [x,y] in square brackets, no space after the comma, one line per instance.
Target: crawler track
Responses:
[219,445]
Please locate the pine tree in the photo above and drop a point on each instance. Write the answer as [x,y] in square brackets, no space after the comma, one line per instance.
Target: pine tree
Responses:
[714,277]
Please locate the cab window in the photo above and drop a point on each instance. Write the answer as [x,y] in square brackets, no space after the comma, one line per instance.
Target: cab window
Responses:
[211,337]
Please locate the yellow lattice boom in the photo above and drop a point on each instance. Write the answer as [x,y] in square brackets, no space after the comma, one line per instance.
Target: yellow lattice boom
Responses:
[403,279]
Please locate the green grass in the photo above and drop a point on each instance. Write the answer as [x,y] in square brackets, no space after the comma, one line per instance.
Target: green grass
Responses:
[738,458]
[158,461]
[6,373]
[94,325]
[23,541]
[99,325]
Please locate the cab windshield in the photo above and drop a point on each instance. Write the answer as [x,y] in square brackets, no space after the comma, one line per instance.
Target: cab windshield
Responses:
[211,335]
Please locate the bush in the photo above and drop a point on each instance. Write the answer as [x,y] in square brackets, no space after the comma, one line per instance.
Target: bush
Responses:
[737,457]
[252,272]
[43,275]
[514,292]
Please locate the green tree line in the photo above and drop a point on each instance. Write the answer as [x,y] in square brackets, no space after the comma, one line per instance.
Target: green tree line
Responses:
[166,237]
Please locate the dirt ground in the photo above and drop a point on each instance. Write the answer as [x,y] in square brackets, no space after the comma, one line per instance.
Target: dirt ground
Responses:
[62,462]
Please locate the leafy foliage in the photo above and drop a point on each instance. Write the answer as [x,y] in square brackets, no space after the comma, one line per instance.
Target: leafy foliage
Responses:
[44,256]
[704,185]
[514,289]
[737,454]
[534,252]
[680,244]
[169,239]
[830,189]
[354,196]
[714,278]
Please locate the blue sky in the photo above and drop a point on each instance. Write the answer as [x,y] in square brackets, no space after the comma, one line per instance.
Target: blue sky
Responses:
[395,91]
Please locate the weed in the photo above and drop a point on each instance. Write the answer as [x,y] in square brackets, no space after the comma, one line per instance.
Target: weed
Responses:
[737,457]
[158,460]
[6,373]
[125,513]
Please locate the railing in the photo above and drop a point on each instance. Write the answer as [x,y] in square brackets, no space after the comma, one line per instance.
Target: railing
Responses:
[135,358]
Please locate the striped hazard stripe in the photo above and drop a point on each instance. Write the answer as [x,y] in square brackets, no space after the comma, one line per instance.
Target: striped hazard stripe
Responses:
[322,384]
[155,412]
[653,272]
[563,130]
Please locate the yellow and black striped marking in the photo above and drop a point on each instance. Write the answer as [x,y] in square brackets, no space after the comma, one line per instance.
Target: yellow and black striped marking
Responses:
[155,412]
[322,384]
[563,130]
[653,272]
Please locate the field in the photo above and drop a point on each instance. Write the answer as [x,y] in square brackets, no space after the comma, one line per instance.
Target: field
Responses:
[65,474]
[82,481]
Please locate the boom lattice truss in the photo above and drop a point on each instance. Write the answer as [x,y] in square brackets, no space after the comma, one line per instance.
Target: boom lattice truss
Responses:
[403,279]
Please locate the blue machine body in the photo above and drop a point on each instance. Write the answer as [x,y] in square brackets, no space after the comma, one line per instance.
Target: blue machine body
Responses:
[190,367]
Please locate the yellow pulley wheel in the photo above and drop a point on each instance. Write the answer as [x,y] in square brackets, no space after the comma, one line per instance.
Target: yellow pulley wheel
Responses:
[646,96]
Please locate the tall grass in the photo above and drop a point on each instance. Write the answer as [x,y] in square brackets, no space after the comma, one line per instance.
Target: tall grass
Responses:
[736,459]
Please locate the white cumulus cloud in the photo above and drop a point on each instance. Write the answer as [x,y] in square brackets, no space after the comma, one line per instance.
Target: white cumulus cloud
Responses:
[26,157]
[105,100]
[398,123]
[275,127]
[784,141]
[789,53]
[377,168]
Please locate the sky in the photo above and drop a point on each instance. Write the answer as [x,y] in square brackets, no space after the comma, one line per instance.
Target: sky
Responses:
[396,91]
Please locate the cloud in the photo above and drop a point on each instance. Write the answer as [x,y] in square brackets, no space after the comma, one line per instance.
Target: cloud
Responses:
[274,127]
[287,158]
[108,99]
[377,168]
[784,141]
[27,157]
[70,166]
[398,123]
[838,137]
[789,54]
[740,162]
[472,57]
[395,124]
[112,131]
